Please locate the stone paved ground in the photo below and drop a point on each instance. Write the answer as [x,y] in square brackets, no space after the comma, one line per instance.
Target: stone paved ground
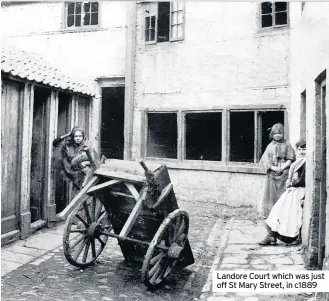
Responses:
[239,251]
[221,238]
[44,273]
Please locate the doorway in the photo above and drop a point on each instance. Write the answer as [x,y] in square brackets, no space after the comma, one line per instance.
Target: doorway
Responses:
[112,127]
[63,127]
[38,153]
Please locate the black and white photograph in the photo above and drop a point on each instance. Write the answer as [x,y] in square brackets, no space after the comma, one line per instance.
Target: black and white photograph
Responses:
[164,151]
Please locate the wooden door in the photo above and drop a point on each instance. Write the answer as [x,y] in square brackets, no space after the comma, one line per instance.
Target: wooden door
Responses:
[10,155]
[38,153]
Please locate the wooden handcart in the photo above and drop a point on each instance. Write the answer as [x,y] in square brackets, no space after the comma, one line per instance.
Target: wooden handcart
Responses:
[137,206]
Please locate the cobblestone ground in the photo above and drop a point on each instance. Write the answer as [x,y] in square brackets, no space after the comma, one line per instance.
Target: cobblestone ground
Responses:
[111,278]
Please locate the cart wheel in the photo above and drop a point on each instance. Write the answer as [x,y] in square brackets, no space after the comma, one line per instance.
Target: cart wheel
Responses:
[165,249]
[84,238]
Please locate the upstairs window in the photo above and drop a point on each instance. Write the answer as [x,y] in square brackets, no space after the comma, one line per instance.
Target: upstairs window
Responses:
[150,29]
[274,14]
[164,21]
[81,14]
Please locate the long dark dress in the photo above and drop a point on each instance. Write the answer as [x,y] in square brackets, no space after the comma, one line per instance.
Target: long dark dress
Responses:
[276,153]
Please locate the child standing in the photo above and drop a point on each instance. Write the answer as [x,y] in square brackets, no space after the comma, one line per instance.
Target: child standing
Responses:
[276,160]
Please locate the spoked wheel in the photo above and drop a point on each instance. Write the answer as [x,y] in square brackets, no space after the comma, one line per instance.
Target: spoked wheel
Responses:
[165,249]
[84,238]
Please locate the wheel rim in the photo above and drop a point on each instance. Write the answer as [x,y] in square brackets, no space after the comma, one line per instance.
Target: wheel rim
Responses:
[84,237]
[166,248]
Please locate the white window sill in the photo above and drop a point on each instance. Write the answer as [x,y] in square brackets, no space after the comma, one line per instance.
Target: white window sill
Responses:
[234,167]
[81,29]
[273,30]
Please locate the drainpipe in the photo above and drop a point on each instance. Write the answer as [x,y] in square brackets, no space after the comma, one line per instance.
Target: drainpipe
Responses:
[130,78]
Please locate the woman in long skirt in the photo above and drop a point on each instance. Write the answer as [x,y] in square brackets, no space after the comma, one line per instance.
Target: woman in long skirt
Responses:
[276,160]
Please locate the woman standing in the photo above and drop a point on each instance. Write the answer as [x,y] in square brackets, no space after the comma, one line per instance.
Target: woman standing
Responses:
[78,158]
[285,219]
[276,161]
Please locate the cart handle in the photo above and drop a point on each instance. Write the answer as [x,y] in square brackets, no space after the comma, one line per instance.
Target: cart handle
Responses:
[141,162]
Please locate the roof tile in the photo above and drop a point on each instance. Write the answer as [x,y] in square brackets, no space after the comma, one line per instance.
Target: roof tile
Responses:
[33,67]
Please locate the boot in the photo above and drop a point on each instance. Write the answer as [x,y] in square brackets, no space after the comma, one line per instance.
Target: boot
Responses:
[268,240]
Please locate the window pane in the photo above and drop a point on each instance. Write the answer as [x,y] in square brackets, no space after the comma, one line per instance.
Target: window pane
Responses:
[174,19]
[174,32]
[146,35]
[94,19]
[242,135]
[153,22]
[70,20]
[162,135]
[86,19]
[152,38]
[70,8]
[268,119]
[180,31]
[280,6]
[147,22]
[78,7]
[267,21]
[78,20]
[266,7]
[281,18]
[174,6]
[204,136]
[86,7]
[163,21]
[94,6]
[180,5]
[180,17]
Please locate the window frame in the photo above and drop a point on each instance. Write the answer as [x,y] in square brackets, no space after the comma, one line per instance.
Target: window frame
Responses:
[273,17]
[145,141]
[152,9]
[171,39]
[225,164]
[183,135]
[82,27]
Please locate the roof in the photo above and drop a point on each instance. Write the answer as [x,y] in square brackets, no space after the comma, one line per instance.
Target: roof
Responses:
[33,67]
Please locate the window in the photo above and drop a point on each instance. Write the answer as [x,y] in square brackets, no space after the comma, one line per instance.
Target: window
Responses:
[164,21]
[161,135]
[249,133]
[274,14]
[149,29]
[242,133]
[230,136]
[81,14]
[203,139]
[177,20]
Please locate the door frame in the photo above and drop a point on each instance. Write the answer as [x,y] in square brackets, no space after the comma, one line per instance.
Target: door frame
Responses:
[324,167]
[111,82]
